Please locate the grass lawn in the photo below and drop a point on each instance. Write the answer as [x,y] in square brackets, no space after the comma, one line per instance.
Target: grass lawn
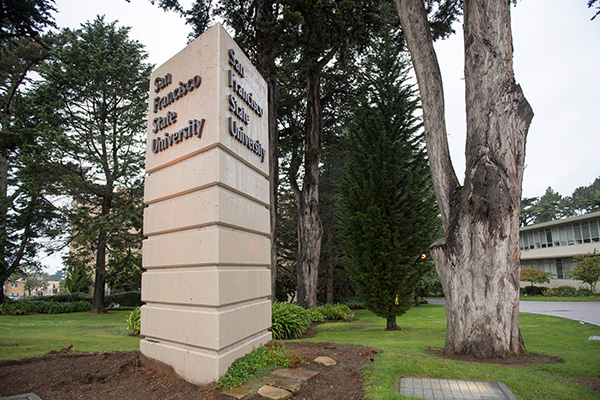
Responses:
[403,354]
[403,351]
[36,335]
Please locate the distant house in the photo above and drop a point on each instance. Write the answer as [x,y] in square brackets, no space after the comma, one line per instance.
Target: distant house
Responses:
[551,246]
[16,290]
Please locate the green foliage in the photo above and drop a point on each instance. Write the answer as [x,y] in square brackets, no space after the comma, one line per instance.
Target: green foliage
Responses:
[585,198]
[561,291]
[125,299]
[339,312]
[125,271]
[78,278]
[353,302]
[587,269]
[25,19]
[43,307]
[272,354]
[133,321]
[533,291]
[430,284]
[387,210]
[99,72]
[14,308]
[68,297]
[583,292]
[553,205]
[534,275]
[289,320]
[26,212]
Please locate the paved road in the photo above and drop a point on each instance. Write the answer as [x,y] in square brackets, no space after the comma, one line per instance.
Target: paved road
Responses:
[588,311]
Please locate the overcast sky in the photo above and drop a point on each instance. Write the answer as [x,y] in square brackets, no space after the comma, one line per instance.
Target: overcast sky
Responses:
[557,63]
[556,58]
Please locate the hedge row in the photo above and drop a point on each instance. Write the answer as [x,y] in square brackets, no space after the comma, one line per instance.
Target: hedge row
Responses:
[43,307]
[290,321]
[66,303]
[560,291]
[125,299]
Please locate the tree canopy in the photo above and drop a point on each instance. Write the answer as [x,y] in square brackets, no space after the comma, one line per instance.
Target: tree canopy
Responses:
[26,211]
[97,87]
[388,215]
[25,18]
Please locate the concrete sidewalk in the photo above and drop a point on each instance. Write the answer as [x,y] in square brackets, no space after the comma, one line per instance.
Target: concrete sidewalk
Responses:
[453,389]
[585,311]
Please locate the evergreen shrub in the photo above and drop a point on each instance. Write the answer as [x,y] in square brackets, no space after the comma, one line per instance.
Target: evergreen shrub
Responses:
[583,292]
[353,302]
[44,307]
[533,291]
[13,308]
[289,320]
[561,291]
[339,312]
[125,299]
[133,321]
[65,298]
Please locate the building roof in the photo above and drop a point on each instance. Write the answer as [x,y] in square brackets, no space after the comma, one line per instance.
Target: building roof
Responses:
[561,221]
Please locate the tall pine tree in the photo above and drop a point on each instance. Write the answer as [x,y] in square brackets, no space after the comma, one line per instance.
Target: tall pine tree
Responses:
[388,215]
[98,86]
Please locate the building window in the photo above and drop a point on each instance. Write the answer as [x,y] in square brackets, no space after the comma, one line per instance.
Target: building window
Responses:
[549,241]
[594,231]
[14,285]
[585,232]
[559,269]
[568,234]
[570,237]
[563,235]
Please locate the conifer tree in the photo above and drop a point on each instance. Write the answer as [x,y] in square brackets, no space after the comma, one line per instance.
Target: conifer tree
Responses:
[387,206]
[97,86]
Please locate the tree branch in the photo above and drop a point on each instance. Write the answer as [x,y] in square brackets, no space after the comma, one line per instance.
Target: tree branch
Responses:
[415,26]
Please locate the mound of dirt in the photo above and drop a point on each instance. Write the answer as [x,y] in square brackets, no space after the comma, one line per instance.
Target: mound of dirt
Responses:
[120,375]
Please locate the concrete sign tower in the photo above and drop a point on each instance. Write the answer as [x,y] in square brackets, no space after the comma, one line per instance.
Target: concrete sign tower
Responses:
[207,253]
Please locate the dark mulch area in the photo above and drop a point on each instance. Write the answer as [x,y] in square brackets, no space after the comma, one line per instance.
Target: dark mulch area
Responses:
[508,361]
[120,375]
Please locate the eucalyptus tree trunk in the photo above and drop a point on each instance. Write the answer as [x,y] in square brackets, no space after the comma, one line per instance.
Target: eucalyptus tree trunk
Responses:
[478,261]
[273,178]
[310,228]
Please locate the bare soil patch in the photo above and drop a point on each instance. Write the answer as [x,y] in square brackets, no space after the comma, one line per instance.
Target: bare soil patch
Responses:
[120,375]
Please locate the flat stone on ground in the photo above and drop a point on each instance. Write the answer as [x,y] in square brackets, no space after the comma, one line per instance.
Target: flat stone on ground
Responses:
[290,384]
[241,391]
[301,374]
[442,389]
[274,393]
[326,361]
[27,396]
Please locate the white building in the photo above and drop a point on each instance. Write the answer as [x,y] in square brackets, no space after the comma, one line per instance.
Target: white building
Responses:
[551,246]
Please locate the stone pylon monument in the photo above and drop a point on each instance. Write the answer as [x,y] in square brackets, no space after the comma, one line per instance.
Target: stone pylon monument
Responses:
[207,252]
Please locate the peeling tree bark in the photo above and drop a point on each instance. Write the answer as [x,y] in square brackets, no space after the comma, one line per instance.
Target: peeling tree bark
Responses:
[273,179]
[310,228]
[478,262]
